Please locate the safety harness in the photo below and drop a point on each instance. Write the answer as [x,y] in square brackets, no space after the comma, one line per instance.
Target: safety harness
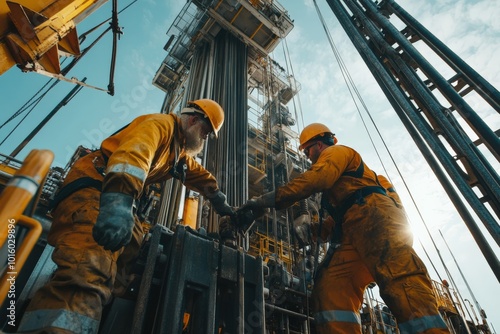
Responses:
[74,186]
[338,212]
[81,183]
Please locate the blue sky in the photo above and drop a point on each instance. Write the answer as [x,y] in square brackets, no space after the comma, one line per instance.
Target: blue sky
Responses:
[470,28]
[93,114]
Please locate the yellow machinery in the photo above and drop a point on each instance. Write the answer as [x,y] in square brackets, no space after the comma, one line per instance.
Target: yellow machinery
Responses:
[14,199]
[33,34]
[8,167]
[266,247]
[190,211]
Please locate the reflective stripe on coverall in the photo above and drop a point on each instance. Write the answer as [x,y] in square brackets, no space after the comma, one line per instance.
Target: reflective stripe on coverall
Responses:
[72,301]
[376,246]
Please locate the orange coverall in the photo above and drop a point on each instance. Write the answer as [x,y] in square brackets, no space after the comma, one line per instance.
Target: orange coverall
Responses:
[384,182]
[376,246]
[140,154]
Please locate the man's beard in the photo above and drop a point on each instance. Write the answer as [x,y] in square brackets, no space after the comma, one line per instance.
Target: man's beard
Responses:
[194,143]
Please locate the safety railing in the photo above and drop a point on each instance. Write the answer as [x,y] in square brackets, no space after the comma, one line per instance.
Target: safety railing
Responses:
[268,247]
[14,199]
[444,299]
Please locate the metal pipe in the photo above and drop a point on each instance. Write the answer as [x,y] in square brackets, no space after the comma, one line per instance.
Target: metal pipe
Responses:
[462,144]
[483,87]
[273,308]
[406,112]
[433,106]
[445,87]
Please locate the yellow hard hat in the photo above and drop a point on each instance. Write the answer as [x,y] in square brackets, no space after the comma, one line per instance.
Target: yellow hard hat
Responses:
[314,130]
[211,109]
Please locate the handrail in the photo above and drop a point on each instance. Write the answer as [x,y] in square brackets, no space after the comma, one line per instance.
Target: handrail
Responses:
[21,255]
[13,201]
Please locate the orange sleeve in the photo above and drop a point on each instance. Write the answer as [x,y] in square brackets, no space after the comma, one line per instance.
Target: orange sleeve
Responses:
[132,151]
[327,176]
[198,178]
[322,175]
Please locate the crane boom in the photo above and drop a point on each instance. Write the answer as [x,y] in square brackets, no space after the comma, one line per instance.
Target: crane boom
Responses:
[33,34]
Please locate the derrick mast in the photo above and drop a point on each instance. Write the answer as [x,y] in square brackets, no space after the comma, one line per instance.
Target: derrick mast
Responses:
[436,108]
[219,49]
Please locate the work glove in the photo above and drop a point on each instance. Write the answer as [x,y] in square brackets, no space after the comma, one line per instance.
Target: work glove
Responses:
[227,231]
[219,203]
[258,204]
[302,229]
[113,228]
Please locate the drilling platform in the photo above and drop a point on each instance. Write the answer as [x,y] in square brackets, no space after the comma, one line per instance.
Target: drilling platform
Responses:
[192,276]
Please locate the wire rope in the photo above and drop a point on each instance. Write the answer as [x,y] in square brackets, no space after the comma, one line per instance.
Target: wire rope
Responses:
[33,101]
[297,107]
[286,54]
[349,82]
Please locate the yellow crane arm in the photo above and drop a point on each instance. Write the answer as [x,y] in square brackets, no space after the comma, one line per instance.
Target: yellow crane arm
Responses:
[33,34]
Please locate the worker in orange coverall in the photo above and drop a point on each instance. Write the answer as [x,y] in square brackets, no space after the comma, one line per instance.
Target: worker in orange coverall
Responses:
[328,224]
[375,241]
[95,225]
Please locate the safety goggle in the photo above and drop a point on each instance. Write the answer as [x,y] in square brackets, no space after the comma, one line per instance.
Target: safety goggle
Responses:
[306,150]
